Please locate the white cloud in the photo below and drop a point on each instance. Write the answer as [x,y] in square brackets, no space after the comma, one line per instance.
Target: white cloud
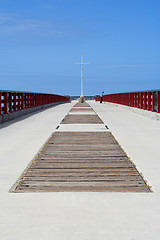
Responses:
[12,25]
[131,65]
[16,28]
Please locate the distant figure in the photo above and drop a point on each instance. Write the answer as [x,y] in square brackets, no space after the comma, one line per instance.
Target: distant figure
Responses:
[101,98]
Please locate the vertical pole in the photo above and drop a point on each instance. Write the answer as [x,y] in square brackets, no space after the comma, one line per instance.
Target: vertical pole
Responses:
[81,76]
[42,99]
[35,99]
[0,103]
[145,101]
[31,100]
[5,102]
[137,100]
[121,102]
[132,99]
[14,101]
[19,101]
[141,100]
[10,102]
[129,99]
[149,101]
[158,101]
[27,100]
[122,98]
[22,100]
[153,99]
[25,97]
[126,97]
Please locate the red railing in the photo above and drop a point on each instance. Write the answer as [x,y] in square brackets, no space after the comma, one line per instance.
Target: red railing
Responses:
[16,101]
[149,100]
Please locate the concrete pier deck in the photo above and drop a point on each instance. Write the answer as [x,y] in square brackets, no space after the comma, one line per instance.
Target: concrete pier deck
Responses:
[80,215]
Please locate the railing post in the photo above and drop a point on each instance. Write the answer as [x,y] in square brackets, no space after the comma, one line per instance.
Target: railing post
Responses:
[137,99]
[39,99]
[22,100]
[36,99]
[134,100]
[126,102]
[10,102]
[19,101]
[0,103]
[158,101]
[127,99]
[153,99]
[145,101]
[149,101]
[26,101]
[29,100]
[5,102]
[131,100]
[141,100]
[33,102]
[123,99]
[14,101]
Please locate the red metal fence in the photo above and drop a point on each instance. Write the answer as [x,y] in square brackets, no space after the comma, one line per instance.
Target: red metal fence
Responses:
[16,101]
[149,100]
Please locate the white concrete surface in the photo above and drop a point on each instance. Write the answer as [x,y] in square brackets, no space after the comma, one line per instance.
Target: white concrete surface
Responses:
[77,216]
[82,107]
[82,113]
[138,135]
[150,114]
[82,128]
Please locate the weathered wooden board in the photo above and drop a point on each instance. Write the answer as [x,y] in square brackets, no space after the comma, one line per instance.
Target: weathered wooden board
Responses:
[82,105]
[82,119]
[82,109]
[82,161]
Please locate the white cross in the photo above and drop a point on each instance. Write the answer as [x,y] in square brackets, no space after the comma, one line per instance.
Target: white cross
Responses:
[82,63]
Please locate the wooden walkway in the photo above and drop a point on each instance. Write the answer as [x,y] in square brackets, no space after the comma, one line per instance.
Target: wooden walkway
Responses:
[81,161]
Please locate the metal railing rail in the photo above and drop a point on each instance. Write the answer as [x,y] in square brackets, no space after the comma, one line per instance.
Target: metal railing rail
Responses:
[16,101]
[146,100]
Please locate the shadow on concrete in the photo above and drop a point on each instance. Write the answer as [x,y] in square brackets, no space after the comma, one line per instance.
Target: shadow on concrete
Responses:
[23,116]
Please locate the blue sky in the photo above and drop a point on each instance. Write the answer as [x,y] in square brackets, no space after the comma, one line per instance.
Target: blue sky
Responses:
[40,40]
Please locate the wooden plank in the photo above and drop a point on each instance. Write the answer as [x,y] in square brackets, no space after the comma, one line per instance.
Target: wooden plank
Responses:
[82,119]
[81,110]
[82,161]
